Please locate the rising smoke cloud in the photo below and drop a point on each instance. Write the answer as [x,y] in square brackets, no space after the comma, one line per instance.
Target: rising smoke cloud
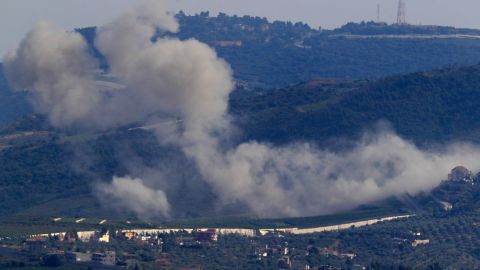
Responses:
[132,194]
[301,179]
[186,80]
[179,78]
[54,65]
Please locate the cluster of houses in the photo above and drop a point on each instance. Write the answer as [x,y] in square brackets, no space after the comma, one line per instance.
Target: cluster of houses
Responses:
[104,258]
[287,258]
[193,238]
[415,239]
[290,258]
[37,247]
[70,236]
[154,240]
[210,234]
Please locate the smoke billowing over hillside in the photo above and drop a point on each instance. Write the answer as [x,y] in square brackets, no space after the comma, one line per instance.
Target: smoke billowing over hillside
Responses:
[174,79]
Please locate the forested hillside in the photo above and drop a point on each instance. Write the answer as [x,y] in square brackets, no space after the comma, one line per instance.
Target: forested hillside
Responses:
[277,54]
[12,105]
[428,107]
[282,53]
[268,55]
[376,28]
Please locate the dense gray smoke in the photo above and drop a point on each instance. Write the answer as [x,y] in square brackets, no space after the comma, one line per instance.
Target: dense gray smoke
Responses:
[185,80]
[54,65]
[179,78]
[134,195]
[302,180]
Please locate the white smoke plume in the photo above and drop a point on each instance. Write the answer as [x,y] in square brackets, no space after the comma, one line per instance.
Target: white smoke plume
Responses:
[132,194]
[302,180]
[55,66]
[187,80]
[180,78]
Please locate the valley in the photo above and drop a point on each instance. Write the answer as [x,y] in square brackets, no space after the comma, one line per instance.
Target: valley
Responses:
[240,143]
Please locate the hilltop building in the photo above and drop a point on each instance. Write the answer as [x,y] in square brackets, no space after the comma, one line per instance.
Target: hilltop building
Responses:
[105,238]
[461,174]
[418,242]
[210,235]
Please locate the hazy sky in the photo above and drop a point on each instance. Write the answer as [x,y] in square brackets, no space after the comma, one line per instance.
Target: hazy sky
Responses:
[17,16]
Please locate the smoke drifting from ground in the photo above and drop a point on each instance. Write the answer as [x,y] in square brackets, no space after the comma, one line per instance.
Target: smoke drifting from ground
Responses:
[132,194]
[302,180]
[186,80]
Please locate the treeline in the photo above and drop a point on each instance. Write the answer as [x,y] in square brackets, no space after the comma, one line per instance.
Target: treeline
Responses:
[381,28]
[266,54]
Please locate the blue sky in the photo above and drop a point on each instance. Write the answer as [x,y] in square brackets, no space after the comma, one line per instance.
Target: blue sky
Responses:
[18,16]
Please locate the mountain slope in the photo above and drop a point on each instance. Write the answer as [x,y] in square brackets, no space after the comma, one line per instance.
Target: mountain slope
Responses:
[277,54]
[427,107]
[52,166]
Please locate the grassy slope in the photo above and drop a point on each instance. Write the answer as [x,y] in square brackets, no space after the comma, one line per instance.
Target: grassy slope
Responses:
[302,222]
[26,224]
[20,226]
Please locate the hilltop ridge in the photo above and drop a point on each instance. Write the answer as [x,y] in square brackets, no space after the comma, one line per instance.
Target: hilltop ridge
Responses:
[265,54]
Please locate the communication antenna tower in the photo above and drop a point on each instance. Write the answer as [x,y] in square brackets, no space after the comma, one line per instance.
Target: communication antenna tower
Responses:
[378,12]
[401,15]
